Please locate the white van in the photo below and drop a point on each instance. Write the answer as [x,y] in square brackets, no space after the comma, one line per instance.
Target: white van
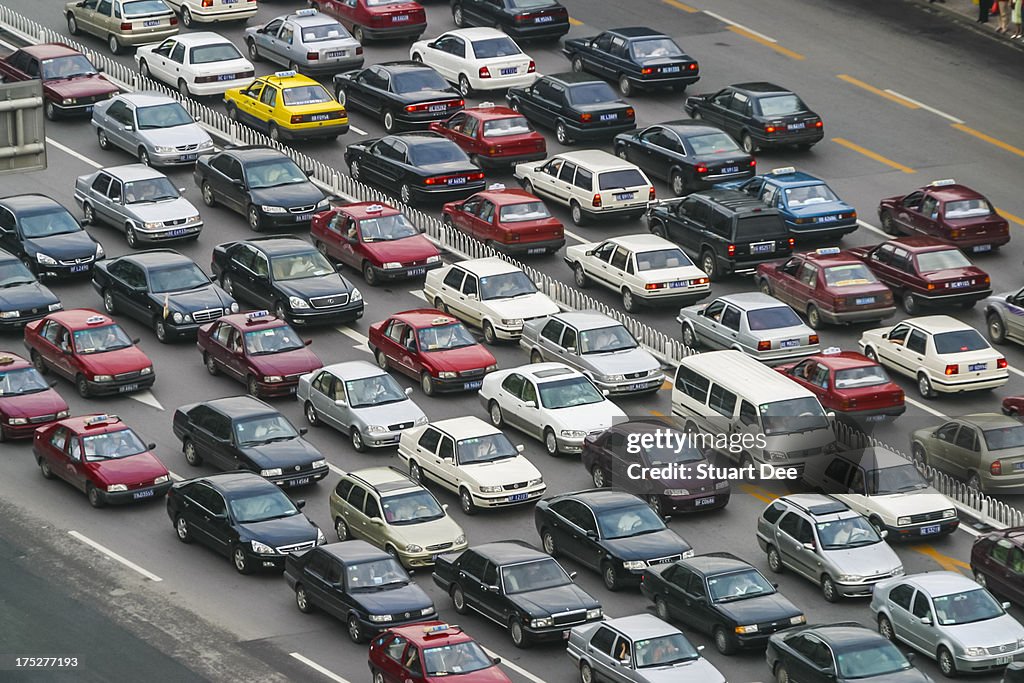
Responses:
[764,416]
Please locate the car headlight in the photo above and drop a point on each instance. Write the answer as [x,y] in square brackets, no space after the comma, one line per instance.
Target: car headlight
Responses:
[420,421]
[427,610]
[17,420]
[356,295]
[634,564]
[611,378]
[152,226]
[193,219]
[162,479]
[262,548]
[899,571]
[320,539]
[233,308]
[376,429]
[44,259]
[512,322]
[69,100]
[573,433]
[317,464]
[491,489]
[534,482]
[99,251]
[8,314]
[322,205]
[722,485]
[948,514]
[1020,642]
[380,618]
[775,456]
[391,265]
[62,414]
[297,302]
[206,144]
[273,379]
[273,472]
[751,628]
[146,370]
[444,374]
[849,578]
[413,548]
[114,488]
[433,259]
[975,651]
[688,554]
[102,378]
[677,492]
[594,613]
[798,619]
[159,149]
[177,317]
[56,307]
[543,622]
[460,539]
[266,208]
[903,521]
[491,368]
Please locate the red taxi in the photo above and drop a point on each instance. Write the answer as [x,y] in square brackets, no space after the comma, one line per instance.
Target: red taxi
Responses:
[27,401]
[854,386]
[511,221]
[91,350]
[828,286]
[431,652]
[926,271]
[949,211]
[256,348]
[376,239]
[377,19]
[432,347]
[1013,405]
[102,457]
[494,136]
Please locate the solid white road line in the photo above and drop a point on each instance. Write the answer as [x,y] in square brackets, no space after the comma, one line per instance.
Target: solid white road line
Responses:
[924,106]
[361,340]
[1015,371]
[868,226]
[68,150]
[515,667]
[337,470]
[357,131]
[175,477]
[925,408]
[740,26]
[114,556]
[573,235]
[418,293]
[316,667]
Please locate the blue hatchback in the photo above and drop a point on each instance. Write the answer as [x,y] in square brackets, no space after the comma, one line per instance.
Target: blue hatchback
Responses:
[811,209]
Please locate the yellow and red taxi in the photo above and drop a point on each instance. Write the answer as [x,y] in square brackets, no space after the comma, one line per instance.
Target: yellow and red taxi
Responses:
[102,457]
[512,221]
[375,239]
[431,347]
[854,386]
[431,652]
[493,136]
[259,350]
[287,106]
[828,286]
[377,19]
[27,401]
[90,349]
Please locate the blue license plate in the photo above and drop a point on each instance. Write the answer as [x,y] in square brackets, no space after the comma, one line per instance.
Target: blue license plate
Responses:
[226,77]
[981,247]
[417,271]
[864,300]
[177,232]
[796,126]
[399,17]
[89,109]
[609,117]
[303,217]
[517,497]
[230,2]
[187,157]
[124,389]
[437,107]
[959,284]
[456,181]
[670,70]
[80,268]
[789,343]
[827,219]
[762,248]
[471,386]
[151,22]
[876,418]
[319,117]
[676,285]
[700,502]
[543,20]
[1018,465]
[933,529]
[335,54]
[636,387]
[148,493]
[731,169]
[978,367]
[509,71]
[625,196]
[300,482]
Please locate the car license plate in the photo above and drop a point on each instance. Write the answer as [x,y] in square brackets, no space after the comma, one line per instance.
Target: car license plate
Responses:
[509,71]
[517,497]
[978,367]
[826,219]
[670,70]
[609,117]
[762,248]
[470,386]
[933,529]
[319,117]
[543,20]
[334,54]
[864,300]
[960,284]
[124,389]
[565,635]
[456,181]
[89,109]
[187,157]
[400,17]
[417,271]
[1003,660]
[704,501]
[625,196]
[876,418]
[731,169]
[226,77]
[303,217]
[292,390]
[148,493]
[437,107]
[230,2]
[796,126]
[789,343]
[1018,466]
[981,247]
[301,481]
[678,284]
[151,22]
[81,268]
[636,387]
[536,250]
[177,232]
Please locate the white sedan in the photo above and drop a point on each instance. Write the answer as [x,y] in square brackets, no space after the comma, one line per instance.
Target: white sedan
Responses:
[476,59]
[551,402]
[200,63]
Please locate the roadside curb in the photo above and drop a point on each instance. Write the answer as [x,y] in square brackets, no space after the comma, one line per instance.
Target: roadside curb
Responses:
[967,21]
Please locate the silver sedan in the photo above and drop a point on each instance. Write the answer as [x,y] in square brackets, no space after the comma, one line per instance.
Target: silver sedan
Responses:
[359,399]
[155,128]
[306,41]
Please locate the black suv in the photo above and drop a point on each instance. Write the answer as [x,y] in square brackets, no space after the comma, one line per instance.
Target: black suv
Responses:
[727,230]
[535,20]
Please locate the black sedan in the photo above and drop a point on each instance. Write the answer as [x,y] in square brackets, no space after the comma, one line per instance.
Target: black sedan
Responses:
[241,516]
[635,57]
[578,106]
[289,276]
[521,19]
[400,94]
[244,433]
[759,116]
[22,298]
[262,184]
[690,155]
[612,532]
[358,583]
[161,288]
[46,237]
[723,596]
[421,166]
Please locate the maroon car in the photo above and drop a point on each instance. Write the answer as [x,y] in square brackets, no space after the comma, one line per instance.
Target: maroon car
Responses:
[259,350]
[494,136]
[1013,405]
[512,221]
[997,561]
[951,212]
[27,401]
[71,84]
[377,19]
[926,271]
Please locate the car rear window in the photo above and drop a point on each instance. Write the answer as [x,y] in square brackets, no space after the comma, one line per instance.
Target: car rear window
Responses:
[782,105]
[419,80]
[772,318]
[866,376]
[959,341]
[614,180]
[931,261]
[306,94]
[320,32]
[848,275]
[513,125]
[206,54]
[527,211]
[439,152]
[592,93]
[968,208]
[140,7]
[495,47]
[758,227]
[1004,437]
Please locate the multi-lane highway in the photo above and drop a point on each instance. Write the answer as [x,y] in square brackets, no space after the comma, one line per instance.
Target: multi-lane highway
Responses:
[907,97]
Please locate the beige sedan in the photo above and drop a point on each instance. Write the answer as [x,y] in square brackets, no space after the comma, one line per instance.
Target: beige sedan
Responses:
[122,22]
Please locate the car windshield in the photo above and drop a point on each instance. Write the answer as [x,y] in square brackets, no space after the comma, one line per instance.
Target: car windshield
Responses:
[629,521]
[101,339]
[566,393]
[305,94]
[809,195]
[112,445]
[22,381]
[506,286]
[739,585]
[374,391]
[459,658]
[533,576]
[792,416]
[1004,437]
[848,275]
[177,279]
[264,429]
[300,266]
[898,479]
[959,341]
[871,660]
[968,208]
[136,8]
[624,179]
[781,105]
[664,651]
[321,32]
[273,173]
[931,261]
[417,80]
[864,376]
[526,211]
[14,273]
[436,152]
[593,92]
[772,318]
[851,532]
[167,115]
[261,507]
[272,340]
[511,125]
[606,340]
[387,228]
[485,449]
[976,604]
[220,52]
[675,447]
[712,143]
[411,508]
[149,191]
[495,47]
[654,48]
[375,575]
[661,258]
[67,67]
[444,337]
[48,222]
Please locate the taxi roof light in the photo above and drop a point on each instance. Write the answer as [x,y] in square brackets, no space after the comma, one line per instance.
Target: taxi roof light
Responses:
[95,320]
[942,183]
[784,170]
[101,419]
[441,629]
[496,187]
[6,360]
[485,105]
[374,208]
[442,320]
[827,251]
[307,12]
[285,74]
[256,316]
[831,351]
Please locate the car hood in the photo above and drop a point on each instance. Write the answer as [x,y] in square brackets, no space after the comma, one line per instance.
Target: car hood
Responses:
[760,609]
[590,417]
[466,358]
[296,194]
[27,296]
[651,546]
[989,633]
[81,86]
[283,454]
[188,134]
[555,600]
[307,287]
[163,211]
[441,530]
[501,472]
[389,413]
[868,560]
[912,502]
[278,532]
[130,359]
[698,670]
[408,598]
[64,247]
[529,306]
[415,248]
[199,299]
[819,209]
[295,362]
[621,362]
[47,402]
[135,469]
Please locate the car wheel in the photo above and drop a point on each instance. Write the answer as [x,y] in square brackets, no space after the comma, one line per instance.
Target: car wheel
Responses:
[82,385]
[163,335]
[979,579]
[144,157]
[690,338]
[924,386]
[302,600]
[513,104]
[427,384]
[405,193]
[341,529]
[192,456]
[577,64]
[357,33]
[114,44]
[918,455]
[628,302]
[518,633]
[535,357]
[877,523]
[108,302]
[72,24]
[828,589]
[240,561]
[415,473]
[232,112]
[208,197]
[748,144]
[274,132]
[102,139]
[657,228]
[661,609]
[251,386]
[465,89]
[781,674]
[775,560]
[88,215]
[311,417]
[709,264]
[947,665]
[678,183]
[186,17]
[354,170]
[724,643]
[95,496]
[889,224]
[610,577]
[586,673]
[183,88]
[494,410]
[466,502]
[598,476]
[459,600]
[885,628]
[254,52]
[528,187]
[625,87]
[211,364]
[144,69]
[996,330]
[355,630]
[813,317]
[389,122]
[562,133]
[696,115]
[369,274]
[254,218]
[44,469]
[51,111]
[550,442]
[130,236]
[580,276]
[489,335]
[576,212]
[382,359]
[357,440]
[457,16]
[182,529]
[871,354]
[765,287]
[227,283]
[38,363]
[910,304]
[294,66]
[547,541]
[974,482]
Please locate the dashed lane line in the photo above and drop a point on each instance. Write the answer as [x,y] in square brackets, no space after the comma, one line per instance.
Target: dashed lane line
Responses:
[740,26]
[989,139]
[892,97]
[767,42]
[875,156]
[318,668]
[682,6]
[360,339]
[950,564]
[868,226]
[575,22]
[925,408]
[573,235]
[418,293]
[114,556]
[68,150]
[922,105]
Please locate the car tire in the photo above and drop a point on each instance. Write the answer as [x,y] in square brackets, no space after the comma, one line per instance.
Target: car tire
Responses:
[186,18]
[909,302]
[192,457]
[302,600]
[974,482]
[182,529]
[535,357]
[996,329]
[82,386]
[95,496]
[747,143]
[143,156]
[576,213]
[382,359]
[358,445]
[828,589]
[690,337]
[610,577]
[341,529]
[102,139]
[309,410]
[518,633]
[88,214]
[427,384]
[813,317]
[369,274]
[709,264]
[586,673]
[415,473]
[924,386]
[599,477]
[980,579]
[210,364]
[355,629]
[947,665]
[550,443]
[109,305]
[207,193]
[406,195]
[528,187]
[889,226]
[781,674]
[494,411]
[38,363]
[658,228]
[44,468]
[629,302]
[252,387]
[625,87]
[489,335]
[562,134]
[459,600]
[72,24]
[871,354]
[114,44]
[163,335]
[580,276]
[654,502]
[389,122]
[183,88]
[240,561]
[919,455]
[50,110]
[232,112]
[227,283]
[131,237]
[513,104]
[775,560]
[696,115]
[465,87]
[254,52]
[885,628]
[358,34]
[765,287]
[724,642]
[466,502]
[677,183]
[457,16]
[577,64]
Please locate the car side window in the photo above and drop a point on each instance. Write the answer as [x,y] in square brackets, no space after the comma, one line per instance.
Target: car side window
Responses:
[134,276]
[54,331]
[967,438]
[7,222]
[838,470]
[901,260]
[603,640]
[901,595]
[59,438]
[930,207]
[222,334]
[809,274]
[695,585]
[371,508]
[486,211]
[740,104]
[454,277]
[605,251]
[790,524]
[473,564]
[104,7]
[343,488]
[447,449]
[323,383]
[731,318]
[947,432]
[114,191]
[584,179]
[472,125]
[720,224]
[490,576]
[569,338]
[917,342]
[529,392]
[748,413]
[429,440]
[1016,562]
[513,384]
[714,310]
[1000,552]
[922,606]
[357,497]
[216,503]
[821,655]
[696,210]
[603,42]
[619,259]
[883,254]
[287,33]
[101,183]
[395,648]
[469,286]
[260,265]
[269,96]
[618,46]
[553,330]
[692,384]
[772,513]
[722,401]
[178,54]
[899,334]
[567,173]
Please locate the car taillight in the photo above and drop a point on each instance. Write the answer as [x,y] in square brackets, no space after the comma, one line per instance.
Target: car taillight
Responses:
[207,3]
[954,234]
[597,200]
[654,285]
[844,403]
[792,242]
[813,339]
[312,55]
[484,72]
[646,71]
[952,369]
[586,116]
[359,50]
[764,346]
[771,129]
[753,163]
[818,124]
[532,68]
[702,169]
[174,21]
[1002,364]
[630,113]
[296,118]
[698,281]
[731,250]
[693,66]
[996,467]
[651,194]
[126,26]
[987,279]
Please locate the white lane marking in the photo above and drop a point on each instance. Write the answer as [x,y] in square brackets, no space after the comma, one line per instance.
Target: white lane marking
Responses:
[925,408]
[740,26]
[972,532]
[418,293]
[357,131]
[361,340]
[1015,371]
[316,667]
[924,106]
[174,476]
[868,226]
[146,397]
[114,556]
[515,667]
[573,236]
[68,150]
[337,470]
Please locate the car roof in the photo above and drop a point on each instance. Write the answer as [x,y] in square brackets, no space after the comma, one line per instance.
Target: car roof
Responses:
[826,260]
[317,19]
[77,318]
[385,479]
[715,563]
[642,242]
[952,192]
[400,66]
[12,361]
[355,369]
[420,137]
[507,196]
[193,38]
[103,423]
[279,245]
[130,172]
[50,50]
[253,152]
[465,427]
[843,360]
[687,127]
[819,505]
[486,111]
[241,406]
[238,482]
[752,301]
[642,626]
[847,633]
[509,552]
[154,258]
[488,266]
[604,161]
[146,99]
[736,200]
[935,324]
[293,78]
[793,179]
[601,499]
[990,420]
[587,320]
[257,322]
[31,200]
[574,77]
[355,550]
[635,32]
[425,317]
[421,634]
[875,458]
[738,372]
[361,210]
[477,33]
[547,372]
[917,243]
[939,583]
[760,87]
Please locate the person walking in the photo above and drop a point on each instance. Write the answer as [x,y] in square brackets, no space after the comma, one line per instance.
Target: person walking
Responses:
[1004,15]
[1015,19]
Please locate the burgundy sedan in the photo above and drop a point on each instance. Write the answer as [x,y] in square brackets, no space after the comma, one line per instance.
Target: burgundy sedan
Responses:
[27,401]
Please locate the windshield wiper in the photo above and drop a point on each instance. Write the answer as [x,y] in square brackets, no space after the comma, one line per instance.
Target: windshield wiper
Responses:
[17,282]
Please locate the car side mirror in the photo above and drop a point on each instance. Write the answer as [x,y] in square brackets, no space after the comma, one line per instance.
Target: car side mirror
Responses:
[496,660]
[151,446]
[220,516]
[472,296]
[182,190]
[377,521]
[303,431]
[351,239]
[530,404]
[605,392]
[926,619]
[300,503]
[700,648]
[444,506]
[309,173]
[129,126]
[493,589]
[809,546]
[570,349]
[340,402]
[53,384]
[307,342]
[572,576]
[136,340]
[885,335]
[240,184]
[774,585]
[591,533]
[589,252]
[408,391]
[520,448]
[910,656]
[884,534]
[1005,605]
[538,169]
